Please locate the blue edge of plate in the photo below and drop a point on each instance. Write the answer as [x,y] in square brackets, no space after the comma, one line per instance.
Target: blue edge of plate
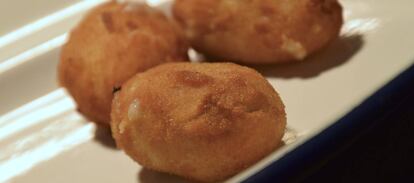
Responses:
[332,138]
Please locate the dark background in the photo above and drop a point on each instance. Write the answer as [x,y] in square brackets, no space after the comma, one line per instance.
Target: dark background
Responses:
[384,152]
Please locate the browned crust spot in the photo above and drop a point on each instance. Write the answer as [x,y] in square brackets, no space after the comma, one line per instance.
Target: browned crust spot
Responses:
[108,21]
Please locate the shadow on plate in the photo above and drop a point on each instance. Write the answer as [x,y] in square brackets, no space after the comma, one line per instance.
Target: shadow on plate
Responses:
[150,176]
[103,135]
[336,54]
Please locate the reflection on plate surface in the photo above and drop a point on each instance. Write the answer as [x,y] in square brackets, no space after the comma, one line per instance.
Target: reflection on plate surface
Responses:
[57,128]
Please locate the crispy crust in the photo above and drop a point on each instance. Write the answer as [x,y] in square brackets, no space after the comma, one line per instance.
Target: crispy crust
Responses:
[202,121]
[112,43]
[259,31]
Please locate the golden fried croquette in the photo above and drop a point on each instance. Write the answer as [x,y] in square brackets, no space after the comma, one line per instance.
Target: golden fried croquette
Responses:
[259,31]
[203,121]
[112,43]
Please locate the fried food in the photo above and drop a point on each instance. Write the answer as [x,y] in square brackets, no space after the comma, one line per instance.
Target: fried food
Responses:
[205,121]
[113,42]
[259,31]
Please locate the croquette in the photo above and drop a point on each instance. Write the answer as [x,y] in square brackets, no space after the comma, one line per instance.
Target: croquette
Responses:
[113,42]
[203,121]
[259,31]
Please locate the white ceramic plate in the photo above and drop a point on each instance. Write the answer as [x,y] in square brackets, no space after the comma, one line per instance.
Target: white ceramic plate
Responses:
[43,138]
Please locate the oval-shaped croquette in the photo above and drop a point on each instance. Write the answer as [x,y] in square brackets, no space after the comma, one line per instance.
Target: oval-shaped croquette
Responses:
[204,121]
[259,31]
[113,42]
